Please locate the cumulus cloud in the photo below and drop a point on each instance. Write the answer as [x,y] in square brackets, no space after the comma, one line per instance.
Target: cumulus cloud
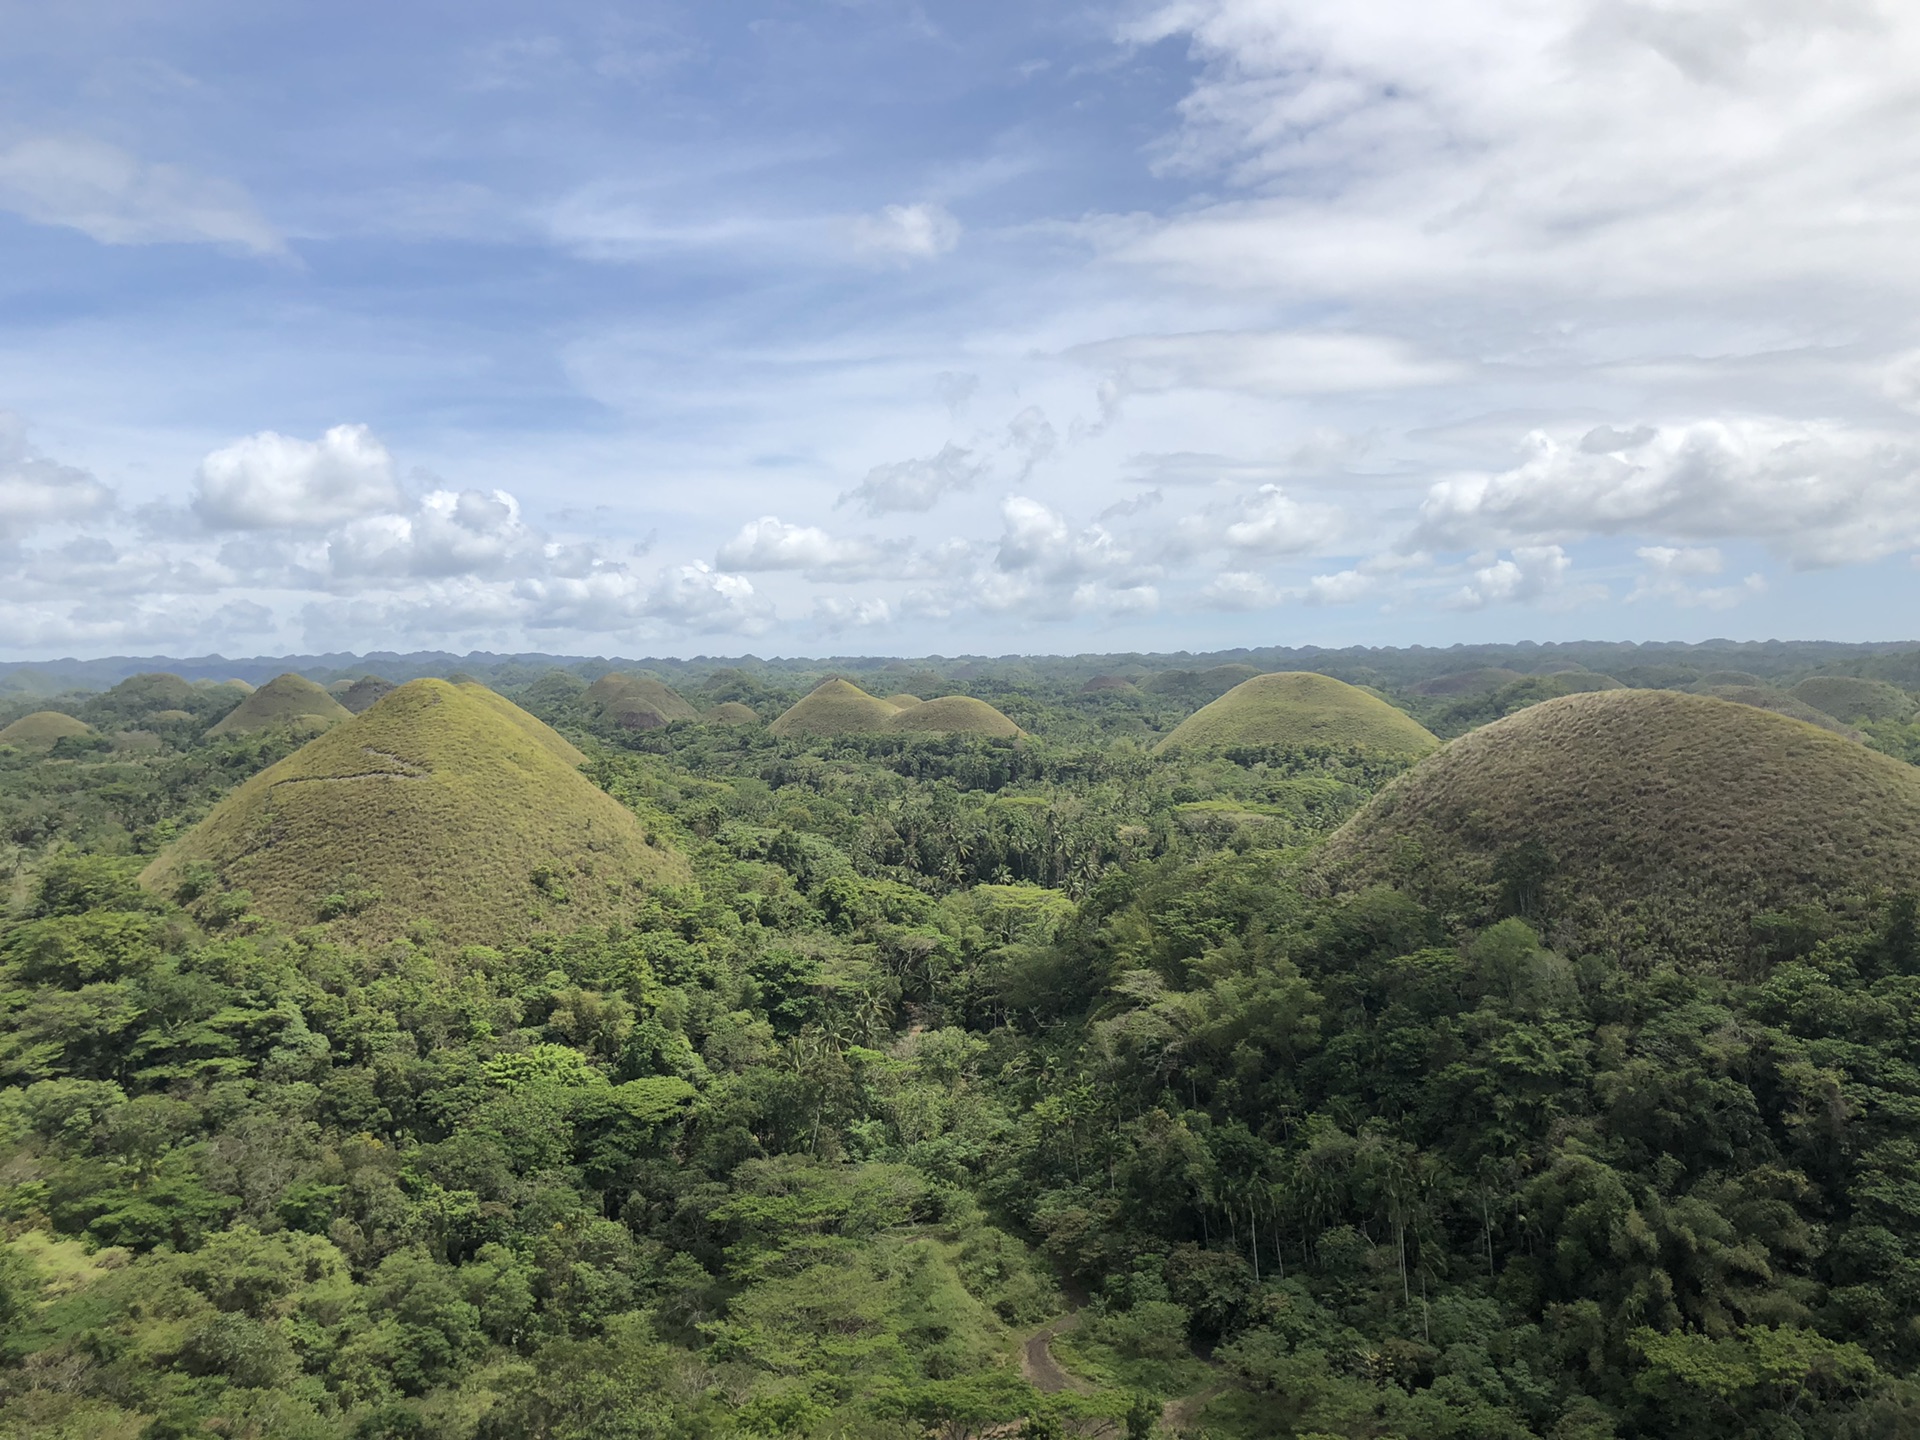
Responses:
[1240,590]
[916,485]
[119,199]
[271,481]
[36,491]
[837,613]
[1670,570]
[450,532]
[1343,587]
[1818,493]
[1267,521]
[1530,573]
[770,543]
[907,232]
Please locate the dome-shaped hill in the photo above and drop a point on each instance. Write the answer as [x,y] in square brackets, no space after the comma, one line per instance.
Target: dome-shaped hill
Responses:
[1726,677]
[1638,816]
[1199,685]
[363,694]
[731,712]
[904,701]
[1765,697]
[239,689]
[138,694]
[337,688]
[956,715]
[1847,698]
[170,717]
[292,701]
[42,730]
[1468,682]
[1118,683]
[834,707]
[619,695]
[1300,708]
[444,803]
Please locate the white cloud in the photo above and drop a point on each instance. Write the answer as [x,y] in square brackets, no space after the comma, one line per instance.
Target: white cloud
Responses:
[769,543]
[907,232]
[1585,146]
[464,532]
[36,491]
[837,613]
[1818,493]
[1669,569]
[1240,590]
[119,199]
[916,485]
[1262,362]
[271,481]
[1344,587]
[1531,573]
[1266,521]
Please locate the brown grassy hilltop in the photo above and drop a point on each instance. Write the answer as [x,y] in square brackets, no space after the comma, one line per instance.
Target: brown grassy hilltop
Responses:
[1299,709]
[292,701]
[839,707]
[443,803]
[42,730]
[1625,817]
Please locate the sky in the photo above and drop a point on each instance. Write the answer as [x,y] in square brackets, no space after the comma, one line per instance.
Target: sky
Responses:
[872,327]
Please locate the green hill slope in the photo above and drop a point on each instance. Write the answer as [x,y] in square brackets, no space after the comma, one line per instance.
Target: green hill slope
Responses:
[955,715]
[1624,817]
[292,701]
[1846,698]
[363,694]
[1300,708]
[1468,682]
[42,729]
[620,695]
[834,707]
[1765,697]
[731,712]
[444,803]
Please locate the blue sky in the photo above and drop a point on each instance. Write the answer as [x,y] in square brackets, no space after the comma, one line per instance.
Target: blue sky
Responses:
[891,328]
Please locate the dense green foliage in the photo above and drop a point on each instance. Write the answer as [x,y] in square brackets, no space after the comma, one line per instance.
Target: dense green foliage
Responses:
[951,1065]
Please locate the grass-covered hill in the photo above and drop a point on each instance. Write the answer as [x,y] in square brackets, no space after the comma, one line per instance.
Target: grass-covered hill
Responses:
[1627,818]
[362,694]
[731,712]
[442,803]
[1296,710]
[1468,682]
[1100,683]
[839,707]
[42,730]
[289,701]
[1847,697]
[835,707]
[954,715]
[1766,697]
[629,699]
[1198,686]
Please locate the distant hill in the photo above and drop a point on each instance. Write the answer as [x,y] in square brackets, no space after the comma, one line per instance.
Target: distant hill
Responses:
[290,701]
[1765,697]
[1198,685]
[731,712]
[1629,817]
[839,707]
[1854,700]
[1102,683]
[903,701]
[638,702]
[1300,709]
[361,695]
[442,803]
[42,730]
[1468,682]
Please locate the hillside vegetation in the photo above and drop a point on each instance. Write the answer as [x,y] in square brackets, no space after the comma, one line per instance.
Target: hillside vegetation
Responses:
[1848,698]
[361,695]
[1635,818]
[631,698]
[289,701]
[1297,710]
[443,803]
[42,729]
[954,715]
[838,707]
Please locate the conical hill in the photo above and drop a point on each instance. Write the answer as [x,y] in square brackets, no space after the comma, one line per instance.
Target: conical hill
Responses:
[363,694]
[731,712]
[1299,709]
[839,707]
[42,730]
[615,693]
[443,803]
[1624,818]
[1847,698]
[292,701]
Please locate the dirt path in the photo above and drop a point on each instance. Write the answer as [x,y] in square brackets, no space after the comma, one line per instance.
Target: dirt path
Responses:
[1039,1366]
[1182,1415]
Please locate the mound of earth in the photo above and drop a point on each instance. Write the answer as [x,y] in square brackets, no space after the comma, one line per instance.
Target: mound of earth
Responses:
[290,701]
[834,707]
[956,715]
[630,699]
[443,803]
[1765,697]
[366,692]
[732,712]
[1101,683]
[1468,682]
[901,702]
[839,707]
[141,694]
[1846,698]
[42,730]
[1625,818]
[1714,678]
[1296,709]
[170,717]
